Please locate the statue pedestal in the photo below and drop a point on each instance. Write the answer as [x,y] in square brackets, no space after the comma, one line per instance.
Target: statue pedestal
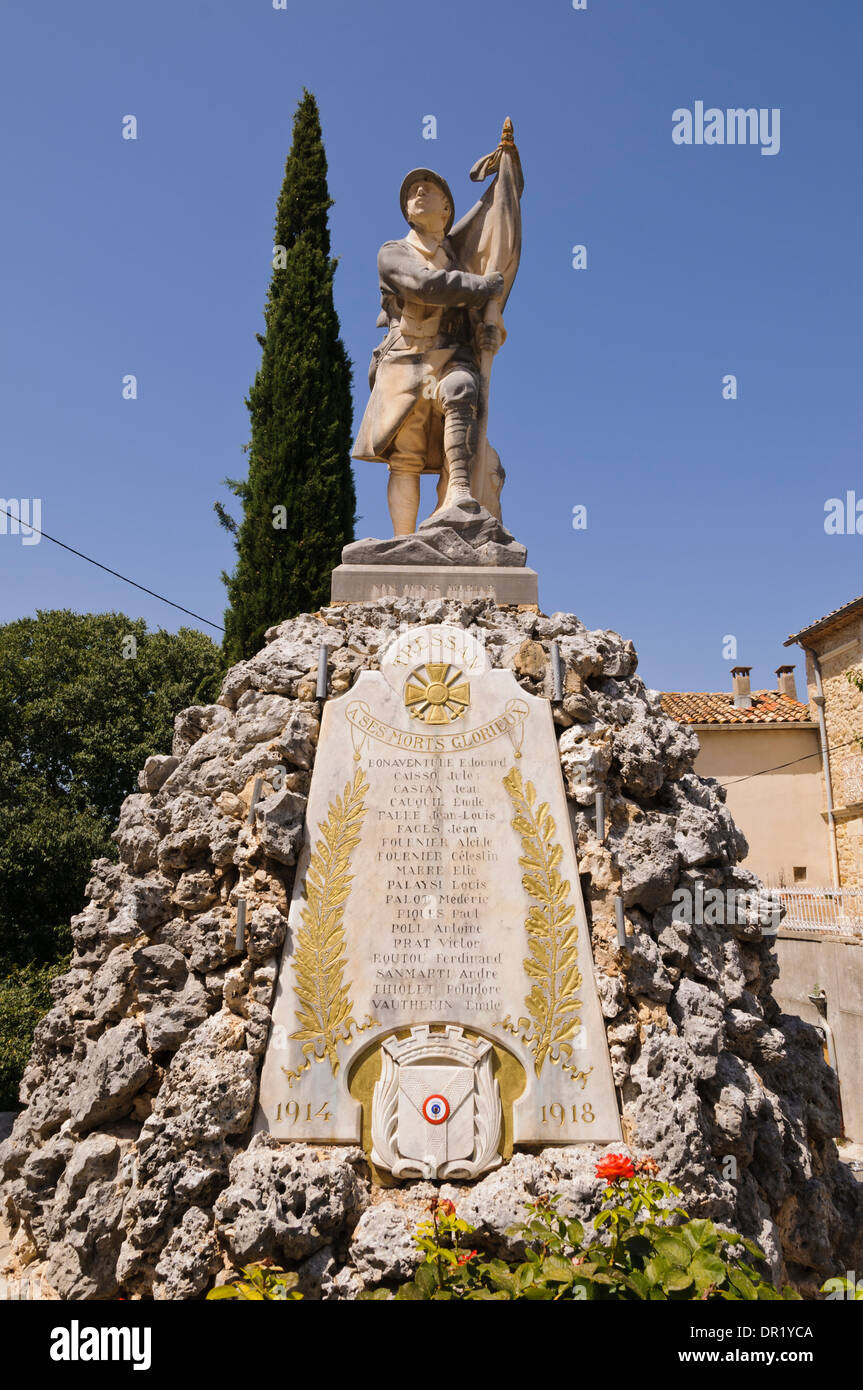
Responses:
[460,552]
[503,583]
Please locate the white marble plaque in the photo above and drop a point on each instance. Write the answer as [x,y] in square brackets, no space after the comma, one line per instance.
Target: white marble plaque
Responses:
[437,891]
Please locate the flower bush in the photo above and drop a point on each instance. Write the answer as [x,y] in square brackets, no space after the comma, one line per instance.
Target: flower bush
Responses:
[644,1246]
[258,1282]
[615,1166]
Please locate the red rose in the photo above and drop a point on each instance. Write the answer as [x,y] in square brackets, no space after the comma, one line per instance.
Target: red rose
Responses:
[614,1166]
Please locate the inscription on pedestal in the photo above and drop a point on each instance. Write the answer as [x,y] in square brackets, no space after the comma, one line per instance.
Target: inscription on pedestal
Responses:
[437,908]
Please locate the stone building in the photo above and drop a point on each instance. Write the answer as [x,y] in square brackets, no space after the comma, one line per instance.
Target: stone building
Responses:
[833,646]
[763,747]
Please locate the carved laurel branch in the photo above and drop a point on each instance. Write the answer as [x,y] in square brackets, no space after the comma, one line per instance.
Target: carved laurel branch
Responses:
[385,1106]
[314,1054]
[552,935]
[560,1056]
[324,1005]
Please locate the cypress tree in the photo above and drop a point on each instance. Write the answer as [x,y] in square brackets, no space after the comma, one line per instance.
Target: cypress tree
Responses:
[298,499]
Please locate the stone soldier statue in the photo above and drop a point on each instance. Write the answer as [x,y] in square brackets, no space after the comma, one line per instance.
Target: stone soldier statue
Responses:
[426,377]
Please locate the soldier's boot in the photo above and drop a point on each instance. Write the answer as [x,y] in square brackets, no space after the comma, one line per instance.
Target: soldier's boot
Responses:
[459,444]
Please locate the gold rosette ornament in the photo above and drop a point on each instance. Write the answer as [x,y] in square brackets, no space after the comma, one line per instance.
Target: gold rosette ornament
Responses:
[434,695]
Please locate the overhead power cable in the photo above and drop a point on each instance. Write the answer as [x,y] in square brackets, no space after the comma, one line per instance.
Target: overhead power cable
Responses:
[144,590]
[779,766]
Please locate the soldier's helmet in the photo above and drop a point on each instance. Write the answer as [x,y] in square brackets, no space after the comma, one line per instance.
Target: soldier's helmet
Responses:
[427,176]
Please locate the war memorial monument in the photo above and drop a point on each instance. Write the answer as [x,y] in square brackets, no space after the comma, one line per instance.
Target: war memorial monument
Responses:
[395,915]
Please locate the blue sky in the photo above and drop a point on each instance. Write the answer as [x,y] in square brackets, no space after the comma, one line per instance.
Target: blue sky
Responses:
[152,257]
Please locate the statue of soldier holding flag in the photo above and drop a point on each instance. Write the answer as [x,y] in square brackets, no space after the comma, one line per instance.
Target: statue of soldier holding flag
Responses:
[442,291]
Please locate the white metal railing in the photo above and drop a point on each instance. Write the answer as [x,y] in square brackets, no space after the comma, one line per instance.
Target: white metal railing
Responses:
[835,911]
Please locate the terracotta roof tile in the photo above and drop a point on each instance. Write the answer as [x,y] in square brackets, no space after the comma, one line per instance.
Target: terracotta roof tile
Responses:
[768,707]
[846,610]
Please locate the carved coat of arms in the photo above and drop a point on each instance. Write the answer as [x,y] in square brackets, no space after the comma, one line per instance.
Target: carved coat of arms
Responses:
[436,1109]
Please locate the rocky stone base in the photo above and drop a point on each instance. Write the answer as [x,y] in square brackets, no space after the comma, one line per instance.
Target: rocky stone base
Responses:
[345,1235]
[132,1168]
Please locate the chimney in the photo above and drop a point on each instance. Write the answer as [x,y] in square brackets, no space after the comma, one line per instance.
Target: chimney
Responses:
[785,682]
[740,686]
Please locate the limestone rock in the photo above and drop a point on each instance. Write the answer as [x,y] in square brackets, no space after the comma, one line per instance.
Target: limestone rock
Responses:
[167,1029]
[315,1274]
[160,969]
[88,1209]
[284,1201]
[382,1246]
[649,861]
[266,932]
[280,822]
[137,834]
[650,749]
[291,653]
[112,985]
[197,832]
[145,901]
[190,1259]
[191,724]
[119,1065]
[156,770]
[585,755]
[208,1091]
[195,891]
[208,942]
[530,659]
[499,1200]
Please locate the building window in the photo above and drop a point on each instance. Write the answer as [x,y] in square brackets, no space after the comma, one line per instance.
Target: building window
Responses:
[800,873]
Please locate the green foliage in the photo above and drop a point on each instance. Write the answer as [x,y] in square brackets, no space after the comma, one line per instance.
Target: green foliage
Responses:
[77,722]
[301,418]
[78,719]
[25,995]
[260,1282]
[644,1247]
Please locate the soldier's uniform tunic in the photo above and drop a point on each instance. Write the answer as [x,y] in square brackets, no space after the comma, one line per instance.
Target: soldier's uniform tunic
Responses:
[426,365]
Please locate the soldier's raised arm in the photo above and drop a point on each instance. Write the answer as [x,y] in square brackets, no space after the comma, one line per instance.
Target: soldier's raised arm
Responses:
[404,274]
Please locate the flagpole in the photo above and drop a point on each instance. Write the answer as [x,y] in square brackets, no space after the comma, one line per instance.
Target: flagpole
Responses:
[492,316]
